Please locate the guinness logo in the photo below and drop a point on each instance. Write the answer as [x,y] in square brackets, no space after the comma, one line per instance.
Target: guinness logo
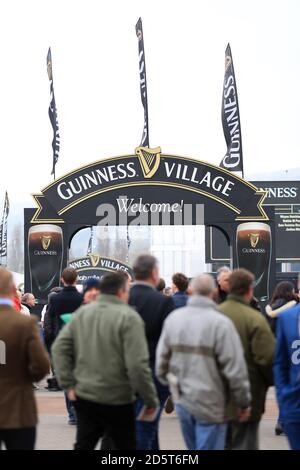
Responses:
[94,260]
[227,62]
[46,240]
[149,160]
[254,239]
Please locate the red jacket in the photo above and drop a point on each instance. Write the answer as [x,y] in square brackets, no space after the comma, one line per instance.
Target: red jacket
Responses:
[17,303]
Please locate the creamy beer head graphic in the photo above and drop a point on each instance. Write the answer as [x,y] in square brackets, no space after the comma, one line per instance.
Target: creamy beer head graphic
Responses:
[45,247]
[253,244]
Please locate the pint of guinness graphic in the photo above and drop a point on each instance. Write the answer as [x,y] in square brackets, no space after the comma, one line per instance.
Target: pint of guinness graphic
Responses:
[253,244]
[45,249]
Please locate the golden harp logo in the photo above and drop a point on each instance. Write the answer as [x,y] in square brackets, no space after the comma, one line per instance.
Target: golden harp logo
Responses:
[254,239]
[149,160]
[46,240]
[94,260]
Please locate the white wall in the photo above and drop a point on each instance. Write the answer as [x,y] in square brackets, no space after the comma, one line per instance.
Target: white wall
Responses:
[178,248]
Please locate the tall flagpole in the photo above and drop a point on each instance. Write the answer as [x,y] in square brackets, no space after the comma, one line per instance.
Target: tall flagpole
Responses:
[90,244]
[144,98]
[143,82]
[3,231]
[128,243]
[53,115]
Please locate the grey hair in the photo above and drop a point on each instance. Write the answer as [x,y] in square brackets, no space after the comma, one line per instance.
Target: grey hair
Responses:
[25,297]
[203,284]
[143,267]
[223,269]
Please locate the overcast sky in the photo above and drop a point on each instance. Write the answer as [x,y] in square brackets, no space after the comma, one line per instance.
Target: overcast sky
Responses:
[95,66]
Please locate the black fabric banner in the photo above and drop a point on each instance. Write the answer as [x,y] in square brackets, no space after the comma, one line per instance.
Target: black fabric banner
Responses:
[53,114]
[91,239]
[3,232]
[233,160]
[143,82]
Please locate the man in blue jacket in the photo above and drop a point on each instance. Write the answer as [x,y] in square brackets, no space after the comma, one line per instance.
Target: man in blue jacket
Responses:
[287,373]
[179,286]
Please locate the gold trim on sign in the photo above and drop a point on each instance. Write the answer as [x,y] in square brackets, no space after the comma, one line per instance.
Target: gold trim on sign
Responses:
[149,183]
[99,269]
[162,155]
[260,208]
[34,219]
[101,257]
[230,175]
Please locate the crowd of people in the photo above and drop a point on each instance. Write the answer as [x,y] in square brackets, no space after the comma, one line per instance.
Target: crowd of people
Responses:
[124,351]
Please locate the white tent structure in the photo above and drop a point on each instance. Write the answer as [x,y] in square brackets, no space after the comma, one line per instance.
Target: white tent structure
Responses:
[19,280]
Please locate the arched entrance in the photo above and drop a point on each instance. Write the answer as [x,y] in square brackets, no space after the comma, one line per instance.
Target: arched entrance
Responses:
[146,188]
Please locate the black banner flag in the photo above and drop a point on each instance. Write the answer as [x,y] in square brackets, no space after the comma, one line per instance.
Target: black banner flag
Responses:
[233,160]
[53,115]
[143,82]
[91,239]
[3,232]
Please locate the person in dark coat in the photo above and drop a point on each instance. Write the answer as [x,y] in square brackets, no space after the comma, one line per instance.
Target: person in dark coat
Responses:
[48,338]
[283,298]
[222,290]
[179,287]
[47,323]
[161,286]
[254,303]
[66,301]
[153,307]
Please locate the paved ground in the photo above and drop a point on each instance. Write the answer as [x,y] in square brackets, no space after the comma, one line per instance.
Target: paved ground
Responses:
[55,433]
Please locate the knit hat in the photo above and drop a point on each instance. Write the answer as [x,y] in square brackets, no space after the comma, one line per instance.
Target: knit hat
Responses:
[91,283]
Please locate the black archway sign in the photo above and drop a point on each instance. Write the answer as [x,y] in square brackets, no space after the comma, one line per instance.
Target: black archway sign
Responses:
[145,188]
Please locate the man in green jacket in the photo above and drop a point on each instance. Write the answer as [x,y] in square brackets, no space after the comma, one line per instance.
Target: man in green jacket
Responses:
[258,343]
[101,359]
